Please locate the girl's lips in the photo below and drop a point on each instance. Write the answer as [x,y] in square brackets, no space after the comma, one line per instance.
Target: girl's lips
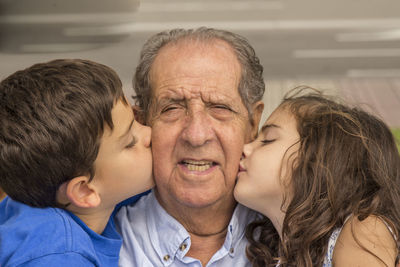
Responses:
[241,168]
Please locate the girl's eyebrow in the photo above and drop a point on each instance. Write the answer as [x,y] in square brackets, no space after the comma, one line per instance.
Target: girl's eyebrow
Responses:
[268,126]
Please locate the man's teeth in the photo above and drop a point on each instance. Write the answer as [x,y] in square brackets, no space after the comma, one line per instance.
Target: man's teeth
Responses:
[201,165]
[197,167]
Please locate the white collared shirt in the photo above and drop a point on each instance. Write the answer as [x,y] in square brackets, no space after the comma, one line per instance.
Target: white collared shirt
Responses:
[152,237]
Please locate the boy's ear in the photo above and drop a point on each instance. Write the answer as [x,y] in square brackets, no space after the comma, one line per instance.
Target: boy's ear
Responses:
[81,193]
[257,109]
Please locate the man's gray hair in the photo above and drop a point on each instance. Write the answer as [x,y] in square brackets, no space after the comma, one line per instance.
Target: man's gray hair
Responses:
[251,85]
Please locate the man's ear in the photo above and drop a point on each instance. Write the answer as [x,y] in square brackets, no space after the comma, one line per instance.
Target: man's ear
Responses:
[257,109]
[138,113]
[81,193]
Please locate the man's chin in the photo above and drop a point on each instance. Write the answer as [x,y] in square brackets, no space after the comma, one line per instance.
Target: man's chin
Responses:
[193,199]
[203,199]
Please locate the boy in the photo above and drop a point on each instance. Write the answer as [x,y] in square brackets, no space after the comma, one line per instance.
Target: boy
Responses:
[70,150]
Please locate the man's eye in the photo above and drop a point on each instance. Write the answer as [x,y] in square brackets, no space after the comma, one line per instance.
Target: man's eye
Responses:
[267,141]
[169,108]
[222,107]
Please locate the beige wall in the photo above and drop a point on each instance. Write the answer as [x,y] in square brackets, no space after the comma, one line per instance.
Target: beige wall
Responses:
[380,96]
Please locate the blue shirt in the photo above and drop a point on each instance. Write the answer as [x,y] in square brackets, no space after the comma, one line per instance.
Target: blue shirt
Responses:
[52,237]
[151,237]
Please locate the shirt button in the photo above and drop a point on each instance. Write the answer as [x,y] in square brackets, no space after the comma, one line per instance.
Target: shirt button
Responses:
[166,257]
[231,250]
[183,247]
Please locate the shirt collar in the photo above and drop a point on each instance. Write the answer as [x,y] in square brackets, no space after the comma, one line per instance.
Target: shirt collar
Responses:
[170,239]
[237,226]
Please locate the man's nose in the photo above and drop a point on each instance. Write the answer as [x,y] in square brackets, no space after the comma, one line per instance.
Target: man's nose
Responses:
[198,129]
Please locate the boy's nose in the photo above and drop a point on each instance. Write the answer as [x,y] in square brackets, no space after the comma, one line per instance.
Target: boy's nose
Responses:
[146,130]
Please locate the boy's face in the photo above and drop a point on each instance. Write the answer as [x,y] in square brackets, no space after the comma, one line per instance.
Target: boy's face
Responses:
[123,166]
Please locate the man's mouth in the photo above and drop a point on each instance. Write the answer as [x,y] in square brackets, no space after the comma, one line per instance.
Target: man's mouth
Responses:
[197,165]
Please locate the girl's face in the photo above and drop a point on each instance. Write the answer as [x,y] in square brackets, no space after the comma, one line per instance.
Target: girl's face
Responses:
[265,170]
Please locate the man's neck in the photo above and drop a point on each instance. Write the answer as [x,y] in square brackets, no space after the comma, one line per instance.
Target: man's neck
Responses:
[207,226]
[204,247]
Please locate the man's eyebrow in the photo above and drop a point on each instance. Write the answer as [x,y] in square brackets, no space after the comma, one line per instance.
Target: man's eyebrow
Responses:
[127,130]
[267,126]
[169,99]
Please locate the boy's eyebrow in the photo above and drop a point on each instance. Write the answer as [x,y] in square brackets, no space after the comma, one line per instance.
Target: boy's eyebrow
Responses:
[267,126]
[127,130]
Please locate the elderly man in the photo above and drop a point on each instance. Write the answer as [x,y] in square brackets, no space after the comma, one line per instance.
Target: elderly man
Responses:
[200,91]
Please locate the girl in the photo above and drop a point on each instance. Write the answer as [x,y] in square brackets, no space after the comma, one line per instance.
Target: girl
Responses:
[326,176]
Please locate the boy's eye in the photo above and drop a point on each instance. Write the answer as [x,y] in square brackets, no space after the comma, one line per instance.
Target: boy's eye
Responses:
[267,141]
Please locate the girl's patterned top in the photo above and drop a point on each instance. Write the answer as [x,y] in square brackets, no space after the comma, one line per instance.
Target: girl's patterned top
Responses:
[331,246]
[332,242]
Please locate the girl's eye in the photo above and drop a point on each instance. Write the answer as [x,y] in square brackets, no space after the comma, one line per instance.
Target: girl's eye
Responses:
[131,144]
[267,141]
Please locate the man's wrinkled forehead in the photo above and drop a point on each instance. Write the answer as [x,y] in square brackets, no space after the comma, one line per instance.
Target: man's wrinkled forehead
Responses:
[208,71]
[208,90]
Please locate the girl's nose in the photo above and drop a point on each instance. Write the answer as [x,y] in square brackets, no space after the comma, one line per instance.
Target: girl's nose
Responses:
[247,149]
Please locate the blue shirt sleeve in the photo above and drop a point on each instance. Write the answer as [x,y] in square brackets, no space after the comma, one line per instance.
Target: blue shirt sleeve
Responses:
[64,259]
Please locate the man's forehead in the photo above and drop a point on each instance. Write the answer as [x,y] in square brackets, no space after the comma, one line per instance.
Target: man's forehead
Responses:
[207,89]
[190,65]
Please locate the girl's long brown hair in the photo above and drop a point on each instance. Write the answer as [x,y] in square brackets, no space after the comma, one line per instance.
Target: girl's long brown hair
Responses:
[347,164]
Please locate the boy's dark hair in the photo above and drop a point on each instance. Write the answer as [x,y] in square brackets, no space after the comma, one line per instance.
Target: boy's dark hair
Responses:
[52,119]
